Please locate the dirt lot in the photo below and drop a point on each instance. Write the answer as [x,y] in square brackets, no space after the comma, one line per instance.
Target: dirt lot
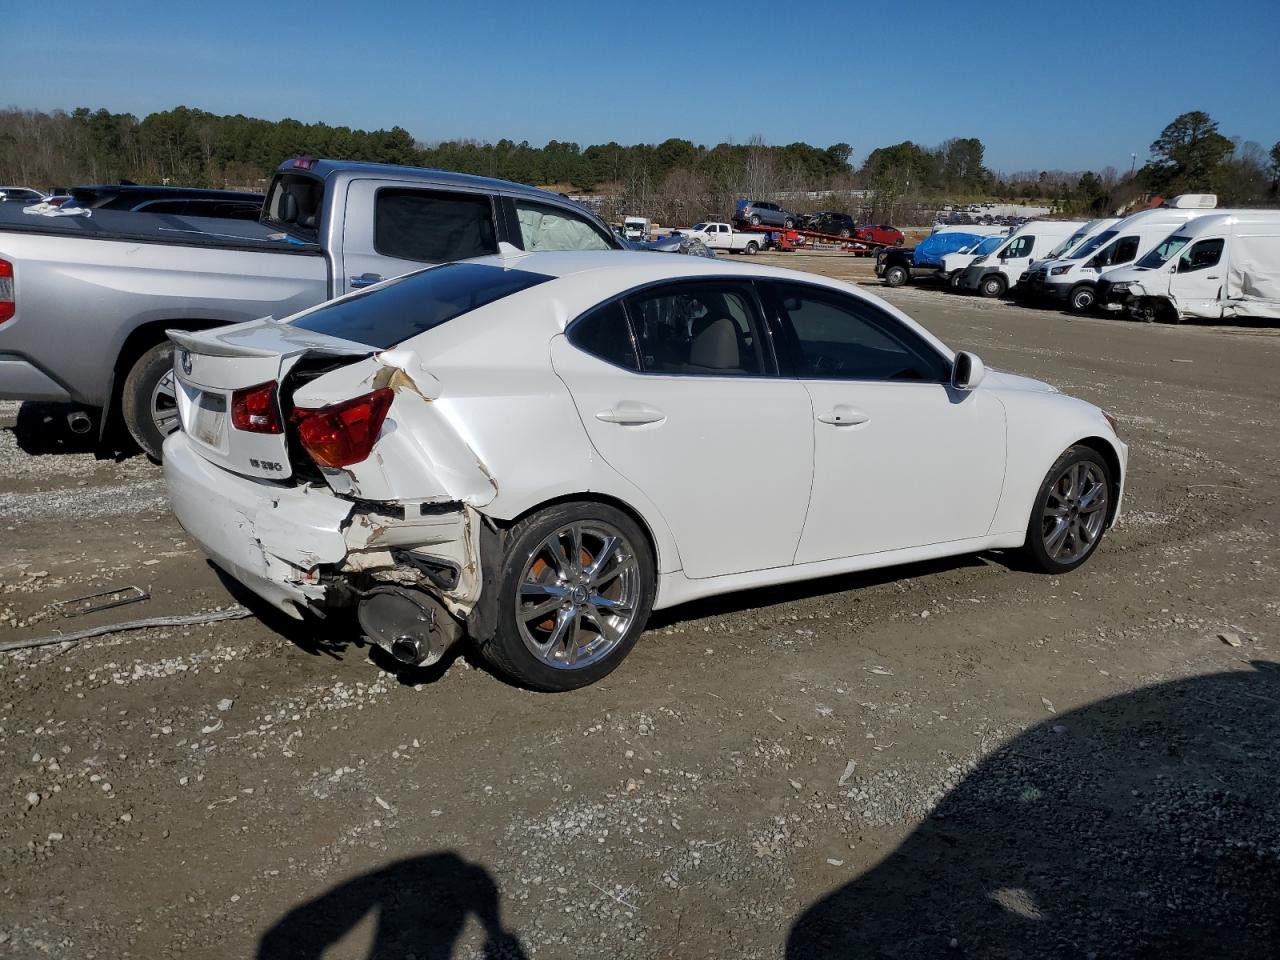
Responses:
[955,759]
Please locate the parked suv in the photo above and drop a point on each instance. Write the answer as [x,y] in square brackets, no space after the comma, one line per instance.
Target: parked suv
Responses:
[881,233]
[829,221]
[21,194]
[761,213]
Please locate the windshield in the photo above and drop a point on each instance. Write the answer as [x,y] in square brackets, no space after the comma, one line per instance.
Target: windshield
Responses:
[1062,249]
[1106,236]
[987,244]
[1161,254]
[698,226]
[416,303]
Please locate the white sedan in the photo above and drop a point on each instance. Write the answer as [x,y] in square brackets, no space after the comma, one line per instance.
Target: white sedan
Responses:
[537,450]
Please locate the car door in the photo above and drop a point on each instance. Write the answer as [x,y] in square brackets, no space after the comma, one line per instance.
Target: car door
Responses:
[676,386]
[901,459]
[719,236]
[412,226]
[1196,284]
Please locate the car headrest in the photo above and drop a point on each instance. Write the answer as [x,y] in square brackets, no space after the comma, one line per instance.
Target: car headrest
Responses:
[716,347]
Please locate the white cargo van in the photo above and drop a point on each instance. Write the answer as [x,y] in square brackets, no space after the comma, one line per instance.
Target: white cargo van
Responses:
[993,274]
[1074,279]
[1224,265]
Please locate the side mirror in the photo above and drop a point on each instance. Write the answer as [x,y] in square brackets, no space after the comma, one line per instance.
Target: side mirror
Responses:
[967,371]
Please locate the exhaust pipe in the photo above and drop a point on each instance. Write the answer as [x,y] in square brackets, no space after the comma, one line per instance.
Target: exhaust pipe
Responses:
[79,422]
[411,625]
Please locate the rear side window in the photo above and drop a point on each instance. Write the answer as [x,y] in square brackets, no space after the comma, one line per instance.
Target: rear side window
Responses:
[411,305]
[711,328]
[433,226]
[605,333]
[294,204]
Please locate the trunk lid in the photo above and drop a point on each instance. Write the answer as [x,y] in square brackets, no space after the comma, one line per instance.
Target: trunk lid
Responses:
[210,366]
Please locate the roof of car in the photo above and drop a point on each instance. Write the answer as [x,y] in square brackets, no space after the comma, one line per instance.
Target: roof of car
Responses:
[328,168]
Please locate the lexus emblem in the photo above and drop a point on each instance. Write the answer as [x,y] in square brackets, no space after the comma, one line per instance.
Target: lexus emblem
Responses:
[186,362]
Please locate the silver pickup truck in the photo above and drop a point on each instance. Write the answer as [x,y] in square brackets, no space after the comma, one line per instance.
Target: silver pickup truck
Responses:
[85,301]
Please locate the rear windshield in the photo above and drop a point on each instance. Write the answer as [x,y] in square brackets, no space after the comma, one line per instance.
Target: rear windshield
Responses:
[413,304]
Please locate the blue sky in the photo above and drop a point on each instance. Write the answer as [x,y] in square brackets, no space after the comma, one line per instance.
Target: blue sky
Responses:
[1068,85]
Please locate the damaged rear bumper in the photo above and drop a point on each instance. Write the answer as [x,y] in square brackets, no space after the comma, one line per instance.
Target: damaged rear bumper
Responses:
[291,545]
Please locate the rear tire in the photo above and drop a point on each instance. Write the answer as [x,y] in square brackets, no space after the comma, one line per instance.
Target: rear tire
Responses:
[993,285]
[788,224]
[1081,298]
[752,248]
[560,626]
[1069,515]
[147,401]
[896,276]
[755,219]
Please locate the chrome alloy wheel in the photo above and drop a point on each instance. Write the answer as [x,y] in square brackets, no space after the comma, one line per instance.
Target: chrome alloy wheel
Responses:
[1075,512]
[164,405]
[578,594]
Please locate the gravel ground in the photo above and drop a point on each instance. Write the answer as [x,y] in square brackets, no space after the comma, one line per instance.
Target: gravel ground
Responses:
[947,759]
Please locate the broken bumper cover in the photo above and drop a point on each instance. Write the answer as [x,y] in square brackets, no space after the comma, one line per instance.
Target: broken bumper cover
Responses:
[287,543]
[269,537]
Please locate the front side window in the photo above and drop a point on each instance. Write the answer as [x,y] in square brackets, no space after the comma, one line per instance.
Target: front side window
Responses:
[1124,250]
[550,228]
[708,327]
[1201,255]
[840,337]
[433,226]
[1018,247]
[410,305]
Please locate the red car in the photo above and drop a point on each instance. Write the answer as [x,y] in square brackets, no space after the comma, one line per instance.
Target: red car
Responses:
[881,233]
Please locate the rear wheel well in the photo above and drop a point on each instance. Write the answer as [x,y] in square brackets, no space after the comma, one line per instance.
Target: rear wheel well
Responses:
[614,502]
[1112,459]
[139,341]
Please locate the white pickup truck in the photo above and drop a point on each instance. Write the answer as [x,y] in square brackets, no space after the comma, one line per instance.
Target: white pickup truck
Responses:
[85,301]
[722,236]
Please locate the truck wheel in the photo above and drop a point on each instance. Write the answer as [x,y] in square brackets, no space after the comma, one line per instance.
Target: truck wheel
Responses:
[1081,298]
[148,401]
[896,276]
[576,586]
[752,247]
[992,286]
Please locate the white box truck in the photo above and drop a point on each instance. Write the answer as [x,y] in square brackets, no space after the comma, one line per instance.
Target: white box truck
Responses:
[1215,267]
[1073,280]
[994,273]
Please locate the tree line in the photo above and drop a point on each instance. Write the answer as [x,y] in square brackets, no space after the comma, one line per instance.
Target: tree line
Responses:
[674,180]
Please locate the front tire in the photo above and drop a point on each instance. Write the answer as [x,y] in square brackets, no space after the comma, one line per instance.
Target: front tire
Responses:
[576,587]
[1069,516]
[755,219]
[1081,298]
[788,223]
[148,400]
[896,276]
[992,286]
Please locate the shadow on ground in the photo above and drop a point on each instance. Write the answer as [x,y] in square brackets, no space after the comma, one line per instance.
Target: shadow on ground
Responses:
[1146,825]
[421,903]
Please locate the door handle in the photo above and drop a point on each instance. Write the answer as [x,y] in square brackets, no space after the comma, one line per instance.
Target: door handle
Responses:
[629,413]
[843,415]
[366,280]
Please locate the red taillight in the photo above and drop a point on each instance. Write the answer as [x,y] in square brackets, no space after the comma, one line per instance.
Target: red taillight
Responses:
[254,409]
[8,306]
[343,433]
